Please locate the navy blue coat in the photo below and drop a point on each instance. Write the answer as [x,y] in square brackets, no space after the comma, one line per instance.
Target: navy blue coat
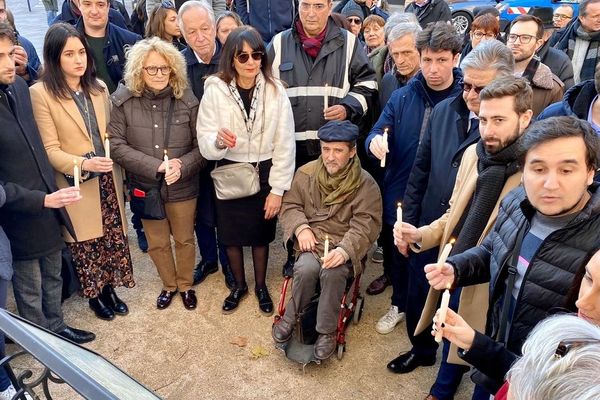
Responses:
[27,177]
[432,178]
[406,115]
[269,17]
[6,268]
[119,40]
[66,15]
[33,61]
[576,102]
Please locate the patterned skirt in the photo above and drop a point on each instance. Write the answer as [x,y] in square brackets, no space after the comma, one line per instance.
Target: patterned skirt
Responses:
[104,260]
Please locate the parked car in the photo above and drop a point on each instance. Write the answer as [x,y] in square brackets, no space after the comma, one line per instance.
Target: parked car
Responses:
[463,14]
[511,9]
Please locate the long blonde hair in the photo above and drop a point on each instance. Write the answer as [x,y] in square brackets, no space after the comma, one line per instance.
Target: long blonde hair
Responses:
[136,55]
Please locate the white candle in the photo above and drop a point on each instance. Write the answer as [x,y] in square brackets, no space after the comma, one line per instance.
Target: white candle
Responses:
[445,253]
[326,98]
[76,174]
[442,315]
[167,169]
[385,140]
[326,246]
[106,147]
[398,219]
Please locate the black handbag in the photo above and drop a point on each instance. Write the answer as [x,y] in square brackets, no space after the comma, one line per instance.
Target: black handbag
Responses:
[306,322]
[148,203]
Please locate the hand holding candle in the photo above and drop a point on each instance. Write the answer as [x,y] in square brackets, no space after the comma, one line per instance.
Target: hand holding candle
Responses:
[385,143]
[106,147]
[441,319]
[167,168]
[76,175]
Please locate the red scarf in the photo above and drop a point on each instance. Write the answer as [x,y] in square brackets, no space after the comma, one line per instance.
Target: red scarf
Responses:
[503,392]
[311,46]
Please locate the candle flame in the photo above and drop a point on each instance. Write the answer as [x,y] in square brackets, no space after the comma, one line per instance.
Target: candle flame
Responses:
[385,130]
[452,241]
[326,237]
[399,204]
[165,152]
[74,162]
[448,286]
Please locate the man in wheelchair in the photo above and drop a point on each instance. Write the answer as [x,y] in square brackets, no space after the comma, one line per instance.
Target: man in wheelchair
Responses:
[332,199]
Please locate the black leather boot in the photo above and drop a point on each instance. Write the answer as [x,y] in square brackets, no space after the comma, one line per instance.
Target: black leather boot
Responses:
[101,311]
[111,300]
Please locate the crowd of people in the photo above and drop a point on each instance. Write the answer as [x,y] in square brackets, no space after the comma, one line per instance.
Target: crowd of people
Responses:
[350,127]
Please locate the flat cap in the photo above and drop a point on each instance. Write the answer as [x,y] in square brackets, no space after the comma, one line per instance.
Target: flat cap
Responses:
[338,131]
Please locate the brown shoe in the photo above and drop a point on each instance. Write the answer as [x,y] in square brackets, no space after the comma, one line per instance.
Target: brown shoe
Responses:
[282,331]
[189,299]
[431,397]
[164,299]
[325,346]
[379,285]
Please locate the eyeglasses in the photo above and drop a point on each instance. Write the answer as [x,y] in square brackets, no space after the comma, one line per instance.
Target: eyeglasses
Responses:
[561,16]
[244,57]
[152,70]
[481,35]
[355,21]
[167,4]
[566,345]
[467,87]
[524,39]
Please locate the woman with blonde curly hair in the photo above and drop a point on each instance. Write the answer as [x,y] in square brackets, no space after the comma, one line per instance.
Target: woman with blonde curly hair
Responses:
[153,137]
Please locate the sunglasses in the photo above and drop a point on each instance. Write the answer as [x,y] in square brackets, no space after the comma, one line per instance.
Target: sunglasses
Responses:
[564,346]
[167,4]
[467,87]
[244,57]
[355,21]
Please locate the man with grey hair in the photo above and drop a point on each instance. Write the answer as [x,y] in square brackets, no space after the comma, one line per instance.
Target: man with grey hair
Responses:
[402,48]
[581,40]
[196,21]
[453,127]
[218,6]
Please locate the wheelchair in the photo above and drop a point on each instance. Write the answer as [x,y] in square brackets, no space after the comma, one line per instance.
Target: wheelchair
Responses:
[300,346]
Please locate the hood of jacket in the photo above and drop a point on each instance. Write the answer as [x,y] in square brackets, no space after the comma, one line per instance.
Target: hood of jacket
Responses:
[579,98]
[544,78]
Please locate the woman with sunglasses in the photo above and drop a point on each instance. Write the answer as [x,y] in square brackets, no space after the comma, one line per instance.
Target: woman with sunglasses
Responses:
[584,298]
[162,23]
[153,137]
[71,109]
[245,117]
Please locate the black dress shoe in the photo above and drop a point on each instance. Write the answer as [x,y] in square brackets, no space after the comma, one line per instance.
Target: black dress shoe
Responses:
[164,299]
[265,304]
[189,299]
[203,269]
[229,278]
[233,300]
[112,301]
[101,311]
[408,362]
[77,335]
[282,331]
[325,346]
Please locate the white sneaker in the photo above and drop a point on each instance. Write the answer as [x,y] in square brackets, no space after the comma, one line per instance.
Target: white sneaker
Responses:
[10,392]
[388,322]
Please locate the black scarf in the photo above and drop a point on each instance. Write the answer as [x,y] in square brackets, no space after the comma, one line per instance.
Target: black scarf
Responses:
[494,170]
[566,43]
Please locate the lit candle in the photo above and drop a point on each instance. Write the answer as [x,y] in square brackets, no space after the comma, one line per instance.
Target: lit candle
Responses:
[385,140]
[326,98]
[76,173]
[106,147]
[167,169]
[443,311]
[326,246]
[398,219]
[445,254]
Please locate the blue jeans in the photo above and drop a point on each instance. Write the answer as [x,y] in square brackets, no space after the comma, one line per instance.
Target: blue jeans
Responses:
[207,244]
[449,375]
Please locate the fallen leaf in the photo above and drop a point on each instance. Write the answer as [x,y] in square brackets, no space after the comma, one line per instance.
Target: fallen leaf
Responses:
[258,352]
[239,341]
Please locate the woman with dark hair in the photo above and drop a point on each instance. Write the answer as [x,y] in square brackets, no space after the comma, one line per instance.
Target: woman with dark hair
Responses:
[226,22]
[162,23]
[71,108]
[245,119]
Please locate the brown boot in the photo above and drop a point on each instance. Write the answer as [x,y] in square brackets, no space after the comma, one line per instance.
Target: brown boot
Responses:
[325,346]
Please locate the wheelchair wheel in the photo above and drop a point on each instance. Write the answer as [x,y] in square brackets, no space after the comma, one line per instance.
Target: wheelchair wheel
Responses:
[340,351]
[360,304]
